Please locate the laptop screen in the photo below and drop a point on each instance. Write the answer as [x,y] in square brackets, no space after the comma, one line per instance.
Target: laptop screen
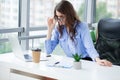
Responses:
[16,48]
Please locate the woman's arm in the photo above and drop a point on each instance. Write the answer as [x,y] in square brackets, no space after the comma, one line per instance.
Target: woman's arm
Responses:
[52,36]
[87,41]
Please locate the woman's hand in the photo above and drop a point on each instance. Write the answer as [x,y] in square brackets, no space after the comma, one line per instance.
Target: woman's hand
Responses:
[51,23]
[103,62]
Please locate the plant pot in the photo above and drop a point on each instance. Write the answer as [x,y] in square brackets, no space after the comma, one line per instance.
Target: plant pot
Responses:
[77,65]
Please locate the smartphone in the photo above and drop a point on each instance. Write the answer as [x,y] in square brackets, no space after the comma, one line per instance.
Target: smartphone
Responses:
[28,58]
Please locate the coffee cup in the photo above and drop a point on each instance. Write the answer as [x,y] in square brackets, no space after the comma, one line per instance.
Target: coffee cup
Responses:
[36,55]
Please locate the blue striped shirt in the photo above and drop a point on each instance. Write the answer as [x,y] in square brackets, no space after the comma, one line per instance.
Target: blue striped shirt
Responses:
[82,42]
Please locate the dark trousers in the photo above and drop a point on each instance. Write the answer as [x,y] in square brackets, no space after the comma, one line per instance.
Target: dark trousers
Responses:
[87,58]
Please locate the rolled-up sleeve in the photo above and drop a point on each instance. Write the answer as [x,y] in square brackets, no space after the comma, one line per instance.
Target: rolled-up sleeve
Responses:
[51,43]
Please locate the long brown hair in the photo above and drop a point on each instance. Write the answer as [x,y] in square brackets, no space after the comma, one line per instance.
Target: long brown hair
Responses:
[66,8]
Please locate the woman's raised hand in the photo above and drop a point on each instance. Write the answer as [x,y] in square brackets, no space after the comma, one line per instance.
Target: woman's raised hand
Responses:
[51,23]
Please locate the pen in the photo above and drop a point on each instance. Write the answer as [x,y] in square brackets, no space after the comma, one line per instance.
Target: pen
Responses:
[48,56]
[56,63]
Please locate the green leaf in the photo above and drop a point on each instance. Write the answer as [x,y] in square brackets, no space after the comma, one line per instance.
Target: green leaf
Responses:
[76,57]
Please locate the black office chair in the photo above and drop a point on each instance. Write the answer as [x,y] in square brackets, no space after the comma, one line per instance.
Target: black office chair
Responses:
[108,42]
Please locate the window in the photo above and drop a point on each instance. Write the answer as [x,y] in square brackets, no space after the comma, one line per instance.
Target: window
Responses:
[8,19]
[9,14]
[107,9]
[40,10]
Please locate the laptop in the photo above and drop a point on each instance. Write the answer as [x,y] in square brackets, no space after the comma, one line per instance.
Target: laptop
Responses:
[18,52]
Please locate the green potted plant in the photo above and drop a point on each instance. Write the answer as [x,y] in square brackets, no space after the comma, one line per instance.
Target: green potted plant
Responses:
[77,62]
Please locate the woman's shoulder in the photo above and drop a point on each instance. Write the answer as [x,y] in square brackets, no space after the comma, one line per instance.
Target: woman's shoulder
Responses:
[82,26]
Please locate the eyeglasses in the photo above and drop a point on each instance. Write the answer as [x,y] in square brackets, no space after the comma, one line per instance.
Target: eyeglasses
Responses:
[60,18]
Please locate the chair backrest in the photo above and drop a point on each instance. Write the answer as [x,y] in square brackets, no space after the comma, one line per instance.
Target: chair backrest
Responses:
[108,42]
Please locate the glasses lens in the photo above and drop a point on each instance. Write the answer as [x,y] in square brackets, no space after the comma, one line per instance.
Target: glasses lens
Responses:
[59,18]
[56,18]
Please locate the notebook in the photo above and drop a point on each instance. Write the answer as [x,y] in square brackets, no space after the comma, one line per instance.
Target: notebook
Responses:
[18,52]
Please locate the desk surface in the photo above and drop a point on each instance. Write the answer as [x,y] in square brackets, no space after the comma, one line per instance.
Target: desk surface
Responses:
[90,70]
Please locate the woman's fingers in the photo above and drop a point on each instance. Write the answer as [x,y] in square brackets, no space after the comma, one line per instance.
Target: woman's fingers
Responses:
[105,63]
[51,23]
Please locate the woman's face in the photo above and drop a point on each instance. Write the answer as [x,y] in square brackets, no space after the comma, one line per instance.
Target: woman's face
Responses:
[60,18]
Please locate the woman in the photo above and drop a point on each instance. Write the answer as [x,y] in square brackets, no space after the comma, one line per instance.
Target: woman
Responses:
[72,34]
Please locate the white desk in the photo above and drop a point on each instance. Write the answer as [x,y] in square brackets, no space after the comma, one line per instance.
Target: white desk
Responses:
[90,70]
